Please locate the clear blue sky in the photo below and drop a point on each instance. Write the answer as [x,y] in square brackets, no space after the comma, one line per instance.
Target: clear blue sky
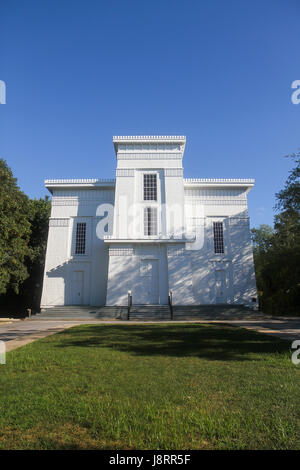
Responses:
[219,72]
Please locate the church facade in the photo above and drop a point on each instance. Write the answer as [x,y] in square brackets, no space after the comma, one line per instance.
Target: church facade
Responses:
[149,231]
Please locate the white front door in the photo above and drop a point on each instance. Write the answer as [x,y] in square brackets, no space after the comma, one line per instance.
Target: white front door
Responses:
[150,285]
[77,287]
[221,294]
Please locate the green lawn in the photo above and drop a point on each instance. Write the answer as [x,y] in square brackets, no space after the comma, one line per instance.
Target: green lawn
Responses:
[179,386]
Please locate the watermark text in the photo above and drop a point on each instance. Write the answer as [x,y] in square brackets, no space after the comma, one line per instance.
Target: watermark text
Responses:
[296,94]
[2,92]
[296,354]
[2,353]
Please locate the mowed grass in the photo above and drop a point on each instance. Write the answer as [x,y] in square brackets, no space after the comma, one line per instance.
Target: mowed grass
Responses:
[180,386]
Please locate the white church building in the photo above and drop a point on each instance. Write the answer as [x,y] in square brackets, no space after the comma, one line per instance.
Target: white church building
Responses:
[149,231]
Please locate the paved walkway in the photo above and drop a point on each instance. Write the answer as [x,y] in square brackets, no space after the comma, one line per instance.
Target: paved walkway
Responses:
[19,333]
[288,329]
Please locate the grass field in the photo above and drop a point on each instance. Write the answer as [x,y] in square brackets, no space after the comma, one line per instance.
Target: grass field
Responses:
[178,386]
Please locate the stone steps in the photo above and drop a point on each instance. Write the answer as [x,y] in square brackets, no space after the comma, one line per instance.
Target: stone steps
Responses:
[147,313]
[78,312]
[150,313]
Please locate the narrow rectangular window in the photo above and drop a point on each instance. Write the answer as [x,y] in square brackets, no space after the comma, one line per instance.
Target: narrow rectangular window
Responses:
[150,221]
[218,237]
[150,187]
[80,238]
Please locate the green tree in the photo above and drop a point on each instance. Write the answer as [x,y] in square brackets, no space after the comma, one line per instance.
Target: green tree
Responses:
[288,199]
[277,252]
[15,230]
[38,217]
[262,238]
[287,222]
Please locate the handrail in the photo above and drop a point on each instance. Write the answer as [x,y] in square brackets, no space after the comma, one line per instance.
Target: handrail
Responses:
[129,304]
[170,299]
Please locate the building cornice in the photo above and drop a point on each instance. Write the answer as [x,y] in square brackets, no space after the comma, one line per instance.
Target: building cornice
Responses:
[52,184]
[148,139]
[110,183]
[218,182]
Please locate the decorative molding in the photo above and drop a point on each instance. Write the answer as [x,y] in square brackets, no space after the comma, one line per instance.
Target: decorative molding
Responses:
[117,138]
[79,181]
[80,202]
[64,202]
[149,142]
[219,202]
[149,240]
[215,196]
[75,197]
[174,172]
[128,251]
[150,156]
[215,193]
[125,172]
[148,146]
[59,222]
[219,180]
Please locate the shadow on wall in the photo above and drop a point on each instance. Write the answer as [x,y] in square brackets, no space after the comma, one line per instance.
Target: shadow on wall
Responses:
[125,277]
[237,261]
[202,341]
[241,252]
[60,273]
[93,263]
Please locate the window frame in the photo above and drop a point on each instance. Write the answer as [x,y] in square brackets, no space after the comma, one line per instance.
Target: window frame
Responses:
[80,238]
[153,189]
[150,224]
[218,237]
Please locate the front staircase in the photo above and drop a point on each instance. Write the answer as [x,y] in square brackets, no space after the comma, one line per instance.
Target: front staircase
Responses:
[149,313]
[81,312]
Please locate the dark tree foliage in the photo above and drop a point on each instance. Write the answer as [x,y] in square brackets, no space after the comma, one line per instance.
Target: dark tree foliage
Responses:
[14,232]
[23,239]
[38,217]
[288,199]
[277,251]
[262,239]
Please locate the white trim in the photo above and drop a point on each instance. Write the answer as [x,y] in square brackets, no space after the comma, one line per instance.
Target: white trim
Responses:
[174,172]
[124,251]
[149,138]
[117,139]
[219,180]
[149,239]
[142,155]
[125,172]
[79,181]
[59,222]
[75,183]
